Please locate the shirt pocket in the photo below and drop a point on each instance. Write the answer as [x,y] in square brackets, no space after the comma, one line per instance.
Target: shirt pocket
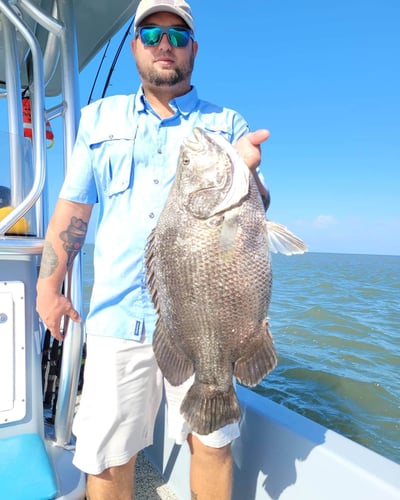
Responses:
[113,164]
[220,130]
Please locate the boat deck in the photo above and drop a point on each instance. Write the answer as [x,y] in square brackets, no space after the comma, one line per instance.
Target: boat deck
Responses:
[149,485]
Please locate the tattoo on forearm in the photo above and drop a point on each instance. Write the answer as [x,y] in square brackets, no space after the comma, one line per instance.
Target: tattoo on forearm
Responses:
[74,238]
[49,261]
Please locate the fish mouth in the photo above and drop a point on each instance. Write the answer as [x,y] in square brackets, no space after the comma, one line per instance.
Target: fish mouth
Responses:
[196,140]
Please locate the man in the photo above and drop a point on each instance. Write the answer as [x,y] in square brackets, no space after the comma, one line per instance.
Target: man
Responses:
[125,159]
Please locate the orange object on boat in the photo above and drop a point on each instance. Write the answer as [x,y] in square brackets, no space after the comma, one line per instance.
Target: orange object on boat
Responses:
[27,121]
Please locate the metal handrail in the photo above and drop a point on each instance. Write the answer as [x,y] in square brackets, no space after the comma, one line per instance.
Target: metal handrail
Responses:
[39,151]
[43,18]
[73,343]
[21,246]
[54,27]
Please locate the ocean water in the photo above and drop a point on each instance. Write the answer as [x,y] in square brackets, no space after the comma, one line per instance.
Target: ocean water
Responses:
[335,320]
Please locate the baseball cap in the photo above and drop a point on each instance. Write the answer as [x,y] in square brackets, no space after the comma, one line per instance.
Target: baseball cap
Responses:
[178,7]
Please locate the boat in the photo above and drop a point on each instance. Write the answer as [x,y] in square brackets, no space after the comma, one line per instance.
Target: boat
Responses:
[44,45]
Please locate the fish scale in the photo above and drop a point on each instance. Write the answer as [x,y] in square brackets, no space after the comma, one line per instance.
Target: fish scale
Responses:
[210,278]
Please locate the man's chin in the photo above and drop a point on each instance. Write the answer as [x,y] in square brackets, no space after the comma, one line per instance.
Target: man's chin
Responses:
[166,80]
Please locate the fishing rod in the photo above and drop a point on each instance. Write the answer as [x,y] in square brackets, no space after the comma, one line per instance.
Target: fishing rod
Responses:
[117,54]
[98,72]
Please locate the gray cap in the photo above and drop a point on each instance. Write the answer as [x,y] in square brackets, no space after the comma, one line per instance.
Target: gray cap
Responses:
[178,7]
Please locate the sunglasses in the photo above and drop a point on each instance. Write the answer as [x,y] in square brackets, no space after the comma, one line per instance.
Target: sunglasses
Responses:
[151,35]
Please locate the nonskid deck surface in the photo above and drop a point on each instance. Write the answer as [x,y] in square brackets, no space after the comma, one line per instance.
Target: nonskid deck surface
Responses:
[149,484]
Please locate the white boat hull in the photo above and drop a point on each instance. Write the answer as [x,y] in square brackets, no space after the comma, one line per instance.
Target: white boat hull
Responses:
[283,455]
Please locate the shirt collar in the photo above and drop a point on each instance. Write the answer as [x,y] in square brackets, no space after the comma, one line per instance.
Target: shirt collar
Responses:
[184,104]
[140,101]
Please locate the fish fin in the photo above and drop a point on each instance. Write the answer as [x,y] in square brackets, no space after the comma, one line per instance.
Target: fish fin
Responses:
[173,362]
[281,240]
[259,359]
[149,263]
[207,409]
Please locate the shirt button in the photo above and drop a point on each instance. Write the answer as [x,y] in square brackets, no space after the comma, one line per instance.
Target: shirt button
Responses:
[151,215]
[156,181]
[159,151]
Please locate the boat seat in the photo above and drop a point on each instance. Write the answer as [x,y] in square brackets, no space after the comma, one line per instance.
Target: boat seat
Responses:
[25,469]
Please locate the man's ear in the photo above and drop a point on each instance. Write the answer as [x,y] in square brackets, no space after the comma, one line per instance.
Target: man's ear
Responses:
[133,46]
[195,48]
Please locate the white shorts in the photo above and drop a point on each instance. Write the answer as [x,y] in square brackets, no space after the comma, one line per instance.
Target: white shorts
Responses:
[121,395]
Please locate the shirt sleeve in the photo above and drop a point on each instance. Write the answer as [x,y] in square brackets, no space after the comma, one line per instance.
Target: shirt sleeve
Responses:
[79,184]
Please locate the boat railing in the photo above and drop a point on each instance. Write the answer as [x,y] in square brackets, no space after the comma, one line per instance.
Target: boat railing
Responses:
[11,24]
[20,19]
[43,45]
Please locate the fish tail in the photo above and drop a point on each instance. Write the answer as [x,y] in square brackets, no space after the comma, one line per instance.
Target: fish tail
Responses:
[207,409]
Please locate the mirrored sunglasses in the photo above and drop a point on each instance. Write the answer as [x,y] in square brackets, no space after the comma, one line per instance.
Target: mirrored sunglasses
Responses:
[151,35]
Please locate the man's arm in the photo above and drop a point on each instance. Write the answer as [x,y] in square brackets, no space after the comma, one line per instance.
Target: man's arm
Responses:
[64,239]
[249,149]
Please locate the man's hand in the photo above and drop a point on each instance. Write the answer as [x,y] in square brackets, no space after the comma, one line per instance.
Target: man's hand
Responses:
[249,149]
[52,308]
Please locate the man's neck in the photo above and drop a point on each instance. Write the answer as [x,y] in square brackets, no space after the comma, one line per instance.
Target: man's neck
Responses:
[160,97]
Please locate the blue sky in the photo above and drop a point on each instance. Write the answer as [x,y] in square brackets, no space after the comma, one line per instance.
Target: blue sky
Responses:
[324,78]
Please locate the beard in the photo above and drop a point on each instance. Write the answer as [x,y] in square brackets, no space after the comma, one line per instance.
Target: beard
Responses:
[168,78]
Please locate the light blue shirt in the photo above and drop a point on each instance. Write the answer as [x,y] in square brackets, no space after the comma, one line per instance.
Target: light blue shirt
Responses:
[125,158]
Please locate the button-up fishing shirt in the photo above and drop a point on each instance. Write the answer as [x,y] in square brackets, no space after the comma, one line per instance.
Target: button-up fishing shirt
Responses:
[125,158]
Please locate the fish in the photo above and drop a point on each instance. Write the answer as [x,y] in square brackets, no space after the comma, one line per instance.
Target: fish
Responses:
[209,274]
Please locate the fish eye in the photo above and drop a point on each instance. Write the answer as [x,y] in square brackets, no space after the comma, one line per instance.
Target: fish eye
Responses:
[186,160]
